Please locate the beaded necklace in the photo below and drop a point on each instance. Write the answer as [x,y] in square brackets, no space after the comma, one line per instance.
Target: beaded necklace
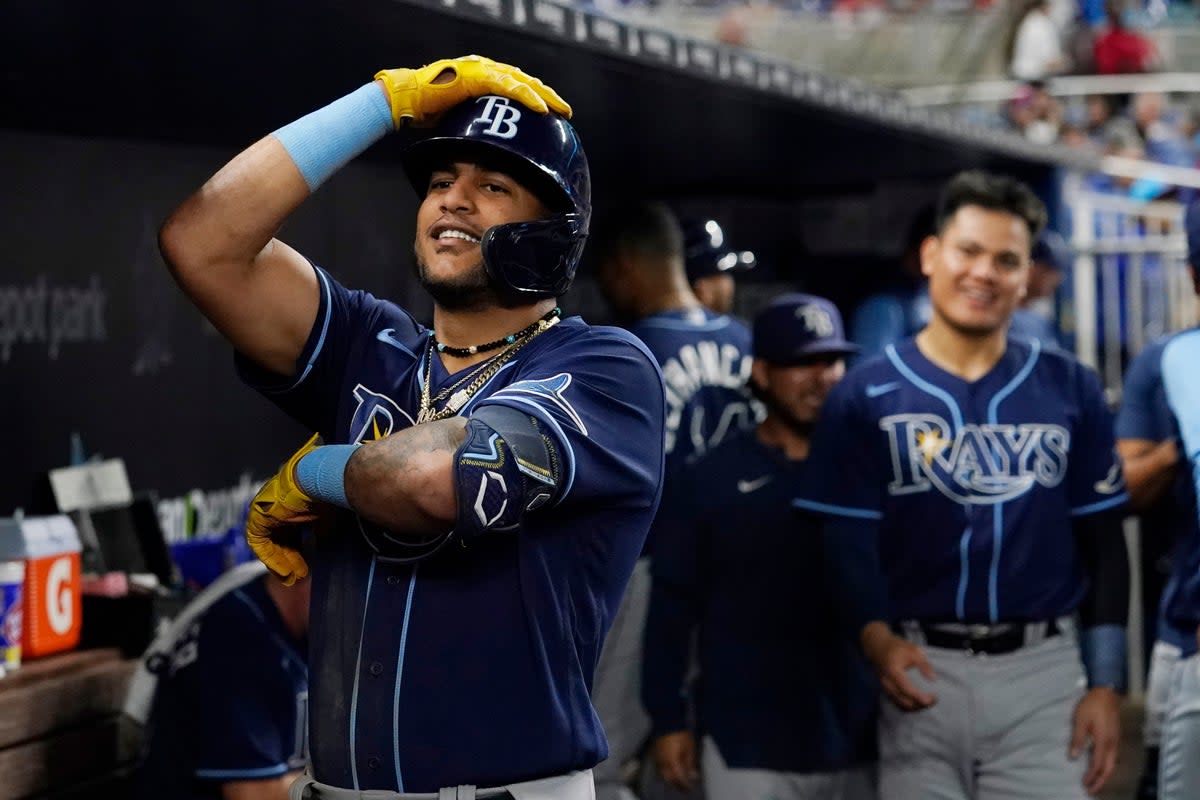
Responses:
[475,349]
[477,377]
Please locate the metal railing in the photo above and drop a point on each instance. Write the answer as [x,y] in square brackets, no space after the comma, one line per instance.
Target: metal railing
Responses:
[1130,283]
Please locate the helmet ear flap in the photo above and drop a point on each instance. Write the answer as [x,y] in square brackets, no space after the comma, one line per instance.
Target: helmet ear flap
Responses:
[535,259]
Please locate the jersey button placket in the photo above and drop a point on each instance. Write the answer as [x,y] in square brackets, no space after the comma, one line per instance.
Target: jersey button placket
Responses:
[376,669]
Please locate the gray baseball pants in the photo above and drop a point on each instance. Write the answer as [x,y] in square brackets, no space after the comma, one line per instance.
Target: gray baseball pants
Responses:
[1000,729]
[723,783]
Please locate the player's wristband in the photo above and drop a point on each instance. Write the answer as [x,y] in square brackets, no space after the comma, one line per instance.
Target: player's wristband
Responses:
[321,474]
[326,140]
[1103,650]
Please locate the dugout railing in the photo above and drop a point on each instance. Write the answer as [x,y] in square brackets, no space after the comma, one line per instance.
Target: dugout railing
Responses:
[1128,285]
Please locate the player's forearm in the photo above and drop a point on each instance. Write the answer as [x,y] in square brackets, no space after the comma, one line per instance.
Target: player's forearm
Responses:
[1150,472]
[266,789]
[1100,540]
[405,482]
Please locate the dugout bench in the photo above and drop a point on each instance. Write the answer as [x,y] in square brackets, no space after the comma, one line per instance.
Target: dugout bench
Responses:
[61,734]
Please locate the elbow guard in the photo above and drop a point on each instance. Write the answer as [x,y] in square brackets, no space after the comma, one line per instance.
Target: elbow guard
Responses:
[505,468]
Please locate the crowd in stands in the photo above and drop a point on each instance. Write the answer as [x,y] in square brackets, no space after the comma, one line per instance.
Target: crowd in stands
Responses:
[1050,40]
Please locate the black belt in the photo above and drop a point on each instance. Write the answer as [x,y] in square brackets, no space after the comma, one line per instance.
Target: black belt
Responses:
[993,640]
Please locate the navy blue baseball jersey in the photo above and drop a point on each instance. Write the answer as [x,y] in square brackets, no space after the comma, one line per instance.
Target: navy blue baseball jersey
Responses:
[974,484]
[782,688]
[475,665]
[705,359]
[1144,414]
[231,703]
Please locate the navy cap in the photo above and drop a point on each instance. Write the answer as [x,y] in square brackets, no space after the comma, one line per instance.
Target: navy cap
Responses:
[1052,250]
[1191,223]
[794,326]
[706,252]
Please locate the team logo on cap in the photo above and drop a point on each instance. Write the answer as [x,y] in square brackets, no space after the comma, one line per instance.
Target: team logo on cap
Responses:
[817,320]
[500,117]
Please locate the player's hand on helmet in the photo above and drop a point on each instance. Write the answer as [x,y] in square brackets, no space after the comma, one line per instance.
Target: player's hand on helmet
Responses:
[895,658]
[1097,720]
[421,95]
[275,512]
[675,757]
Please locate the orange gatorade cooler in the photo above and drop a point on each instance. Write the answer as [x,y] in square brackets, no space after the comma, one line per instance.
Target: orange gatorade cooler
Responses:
[51,604]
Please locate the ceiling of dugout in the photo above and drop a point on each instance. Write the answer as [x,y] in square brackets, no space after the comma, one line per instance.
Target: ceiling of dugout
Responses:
[656,112]
[702,126]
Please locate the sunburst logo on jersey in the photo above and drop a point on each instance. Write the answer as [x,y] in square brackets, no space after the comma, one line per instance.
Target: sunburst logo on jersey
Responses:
[931,443]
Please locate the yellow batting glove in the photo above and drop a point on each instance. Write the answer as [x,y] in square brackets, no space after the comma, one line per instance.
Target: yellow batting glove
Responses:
[278,506]
[415,97]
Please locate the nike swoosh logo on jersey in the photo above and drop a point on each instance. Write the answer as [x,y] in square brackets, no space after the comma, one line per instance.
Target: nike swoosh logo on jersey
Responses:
[876,389]
[746,487]
[386,337]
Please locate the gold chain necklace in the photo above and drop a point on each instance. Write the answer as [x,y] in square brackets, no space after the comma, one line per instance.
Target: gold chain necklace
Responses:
[474,380]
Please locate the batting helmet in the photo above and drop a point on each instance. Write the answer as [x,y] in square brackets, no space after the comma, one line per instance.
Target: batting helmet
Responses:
[541,151]
[707,253]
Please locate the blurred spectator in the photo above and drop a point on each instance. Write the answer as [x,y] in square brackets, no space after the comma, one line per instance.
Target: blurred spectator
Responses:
[1074,136]
[1036,317]
[1037,52]
[1036,113]
[1121,51]
[1100,109]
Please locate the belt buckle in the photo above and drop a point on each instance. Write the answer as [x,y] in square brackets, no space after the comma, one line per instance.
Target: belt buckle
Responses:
[976,633]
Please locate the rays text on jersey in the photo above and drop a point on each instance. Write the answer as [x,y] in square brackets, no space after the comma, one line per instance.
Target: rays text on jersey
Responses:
[978,464]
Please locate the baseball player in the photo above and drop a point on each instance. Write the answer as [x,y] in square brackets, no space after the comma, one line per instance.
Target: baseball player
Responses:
[711,264]
[705,356]
[785,702]
[901,309]
[493,476]
[973,501]
[1157,415]
[705,360]
[1035,318]
[223,692]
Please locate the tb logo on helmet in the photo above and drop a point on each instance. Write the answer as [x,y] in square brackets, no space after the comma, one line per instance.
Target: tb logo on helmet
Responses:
[501,117]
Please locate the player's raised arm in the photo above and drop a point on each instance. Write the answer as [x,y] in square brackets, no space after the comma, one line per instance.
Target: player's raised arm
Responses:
[219,244]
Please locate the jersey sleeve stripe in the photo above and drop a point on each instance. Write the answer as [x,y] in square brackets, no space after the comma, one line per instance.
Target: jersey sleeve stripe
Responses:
[840,511]
[326,295]
[1107,503]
